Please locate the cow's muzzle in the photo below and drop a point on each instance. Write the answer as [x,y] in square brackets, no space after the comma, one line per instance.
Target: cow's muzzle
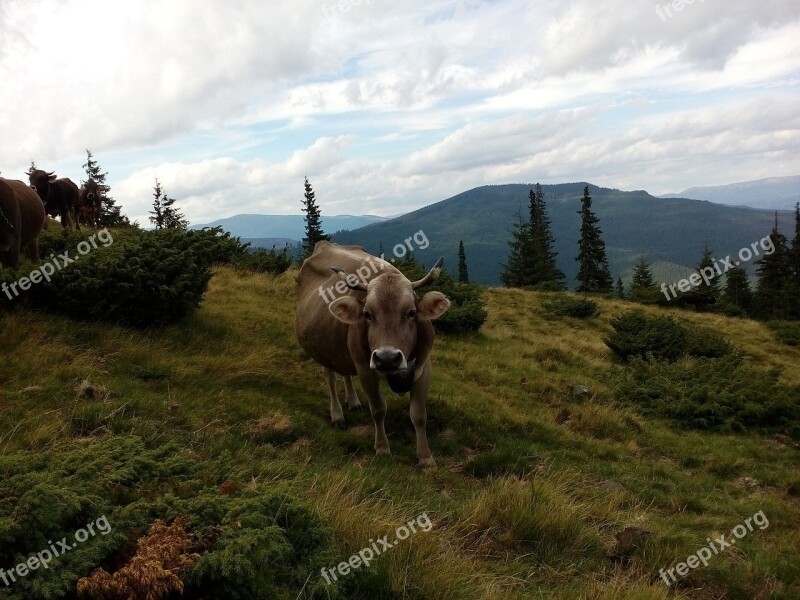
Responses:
[388,360]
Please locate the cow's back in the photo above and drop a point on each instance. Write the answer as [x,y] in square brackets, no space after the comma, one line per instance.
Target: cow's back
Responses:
[31,210]
[65,190]
[319,333]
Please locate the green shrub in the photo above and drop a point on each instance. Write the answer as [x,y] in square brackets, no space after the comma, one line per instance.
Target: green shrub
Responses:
[264,261]
[787,332]
[638,335]
[719,394]
[580,308]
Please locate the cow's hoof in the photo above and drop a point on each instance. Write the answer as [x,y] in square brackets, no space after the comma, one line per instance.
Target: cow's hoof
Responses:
[426,463]
[340,424]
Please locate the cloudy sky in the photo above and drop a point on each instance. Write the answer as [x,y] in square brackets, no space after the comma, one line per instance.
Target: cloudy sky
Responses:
[388,106]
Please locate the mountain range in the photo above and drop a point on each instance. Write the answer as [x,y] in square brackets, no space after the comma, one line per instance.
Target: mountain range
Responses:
[777,193]
[671,233]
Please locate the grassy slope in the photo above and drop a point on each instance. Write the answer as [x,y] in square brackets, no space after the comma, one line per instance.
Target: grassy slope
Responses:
[539,526]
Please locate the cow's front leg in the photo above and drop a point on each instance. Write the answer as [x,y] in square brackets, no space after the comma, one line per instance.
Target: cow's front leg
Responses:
[377,406]
[419,415]
[337,414]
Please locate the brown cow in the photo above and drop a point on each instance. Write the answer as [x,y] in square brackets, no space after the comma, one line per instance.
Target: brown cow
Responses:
[21,221]
[371,325]
[58,195]
[90,203]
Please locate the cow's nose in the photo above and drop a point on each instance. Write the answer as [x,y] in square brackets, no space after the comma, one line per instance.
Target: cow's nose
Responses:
[387,359]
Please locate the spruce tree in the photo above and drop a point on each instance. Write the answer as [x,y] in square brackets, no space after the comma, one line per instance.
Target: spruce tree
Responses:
[463,273]
[165,215]
[773,291]
[737,288]
[794,259]
[711,288]
[545,269]
[642,276]
[620,290]
[518,270]
[157,213]
[313,218]
[593,272]
[110,214]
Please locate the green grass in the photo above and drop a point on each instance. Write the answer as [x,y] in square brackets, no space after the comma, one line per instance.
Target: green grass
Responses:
[223,419]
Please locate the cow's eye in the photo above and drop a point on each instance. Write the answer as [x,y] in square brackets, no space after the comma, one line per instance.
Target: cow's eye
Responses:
[367,315]
[412,313]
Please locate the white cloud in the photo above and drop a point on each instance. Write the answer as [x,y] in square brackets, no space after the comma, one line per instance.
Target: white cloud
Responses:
[388,106]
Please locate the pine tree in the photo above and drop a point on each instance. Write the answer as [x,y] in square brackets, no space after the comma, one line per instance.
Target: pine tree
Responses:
[157,213]
[773,290]
[711,288]
[737,288]
[796,246]
[593,272]
[314,232]
[542,241]
[110,214]
[463,273]
[620,290]
[165,214]
[518,271]
[642,276]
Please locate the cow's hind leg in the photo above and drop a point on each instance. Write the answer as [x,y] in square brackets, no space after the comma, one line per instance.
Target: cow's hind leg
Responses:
[337,414]
[353,403]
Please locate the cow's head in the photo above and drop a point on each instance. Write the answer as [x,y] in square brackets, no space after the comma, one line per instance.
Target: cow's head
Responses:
[90,189]
[40,182]
[390,315]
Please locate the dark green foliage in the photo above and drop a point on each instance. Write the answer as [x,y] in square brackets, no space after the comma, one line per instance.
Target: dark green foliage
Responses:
[463,272]
[593,272]
[165,214]
[737,290]
[314,232]
[467,310]
[714,394]
[619,290]
[531,259]
[110,214]
[262,260]
[580,308]
[637,335]
[787,332]
[643,287]
[774,298]
[255,541]
[711,288]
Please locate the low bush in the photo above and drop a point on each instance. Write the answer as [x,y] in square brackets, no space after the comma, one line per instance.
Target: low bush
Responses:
[787,332]
[636,334]
[719,394]
[580,308]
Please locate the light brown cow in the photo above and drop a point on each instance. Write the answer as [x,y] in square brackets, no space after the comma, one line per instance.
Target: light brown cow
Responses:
[359,315]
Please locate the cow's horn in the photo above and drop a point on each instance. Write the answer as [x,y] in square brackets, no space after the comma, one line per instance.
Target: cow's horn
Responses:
[350,280]
[432,275]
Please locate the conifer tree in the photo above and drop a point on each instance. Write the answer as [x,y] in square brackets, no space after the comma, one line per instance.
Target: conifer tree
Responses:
[165,215]
[642,276]
[773,291]
[593,272]
[545,269]
[313,218]
[110,214]
[463,273]
[620,289]
[796,246]
[711,288]
[518,271]
[737,288]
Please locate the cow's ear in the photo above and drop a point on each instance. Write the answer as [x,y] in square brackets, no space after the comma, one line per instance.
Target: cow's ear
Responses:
[51,178]
[432,306]
[347,309]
